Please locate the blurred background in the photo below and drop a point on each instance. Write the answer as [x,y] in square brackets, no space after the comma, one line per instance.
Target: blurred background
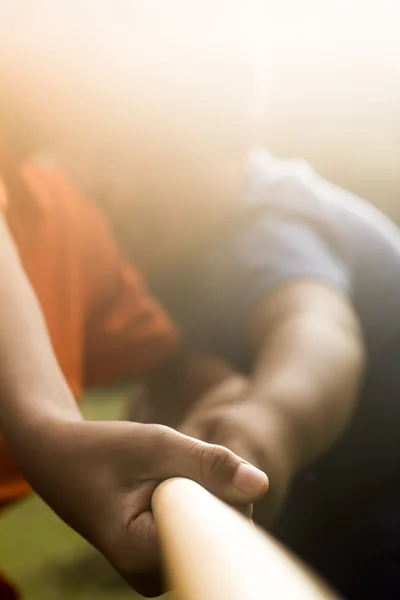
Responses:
[334,99]
[335,92]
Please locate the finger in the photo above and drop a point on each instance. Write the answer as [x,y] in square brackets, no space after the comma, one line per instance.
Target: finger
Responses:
[223,433]
[220,433]
[214,467]
[238,446]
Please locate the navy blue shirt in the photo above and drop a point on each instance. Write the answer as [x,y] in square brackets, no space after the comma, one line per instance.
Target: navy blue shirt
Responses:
[290,224]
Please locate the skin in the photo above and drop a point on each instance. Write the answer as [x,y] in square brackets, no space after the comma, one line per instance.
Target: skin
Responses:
[171,167]
[98,477]
[308,365]
[55,96]
[305,337]
[309,362]
[308,350]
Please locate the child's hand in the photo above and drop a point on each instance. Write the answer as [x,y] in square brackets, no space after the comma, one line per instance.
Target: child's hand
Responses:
[229,416]
[100,477]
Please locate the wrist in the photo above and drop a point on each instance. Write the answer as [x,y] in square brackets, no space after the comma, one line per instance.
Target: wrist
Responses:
[282,437]
[307,417]
[44,449]
[31,430]
[275,453]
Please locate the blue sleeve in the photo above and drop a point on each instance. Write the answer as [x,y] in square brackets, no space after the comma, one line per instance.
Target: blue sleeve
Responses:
[269,249]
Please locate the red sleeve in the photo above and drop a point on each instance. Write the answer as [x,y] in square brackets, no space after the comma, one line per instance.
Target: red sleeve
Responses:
[127,332]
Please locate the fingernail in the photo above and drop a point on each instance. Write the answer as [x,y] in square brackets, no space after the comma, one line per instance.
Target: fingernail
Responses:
[250,480]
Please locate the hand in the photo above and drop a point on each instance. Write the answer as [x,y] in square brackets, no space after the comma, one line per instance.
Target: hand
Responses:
[100,477]
[228,415]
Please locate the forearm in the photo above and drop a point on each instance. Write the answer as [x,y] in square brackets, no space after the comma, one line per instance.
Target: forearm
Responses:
[32,387]
[308,374]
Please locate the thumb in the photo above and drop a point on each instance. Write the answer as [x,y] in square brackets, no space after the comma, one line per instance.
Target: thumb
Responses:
[214,433]
[216,468]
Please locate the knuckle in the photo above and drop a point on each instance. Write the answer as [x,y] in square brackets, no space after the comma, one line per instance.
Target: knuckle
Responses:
[197,453]
[216,460]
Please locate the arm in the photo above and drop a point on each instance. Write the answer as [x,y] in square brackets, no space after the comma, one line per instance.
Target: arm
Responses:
[99,477]
[286,286]
[310,360]
[32,388]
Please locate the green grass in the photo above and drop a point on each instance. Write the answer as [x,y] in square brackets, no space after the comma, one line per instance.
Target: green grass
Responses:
[44,556]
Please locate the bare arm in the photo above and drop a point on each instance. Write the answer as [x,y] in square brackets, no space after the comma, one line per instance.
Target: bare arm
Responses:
[32,387]
[309,365]
[309,360]
[99,477]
